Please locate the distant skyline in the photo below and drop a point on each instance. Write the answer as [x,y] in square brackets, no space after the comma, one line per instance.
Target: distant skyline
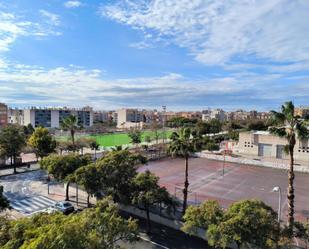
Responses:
[186,54]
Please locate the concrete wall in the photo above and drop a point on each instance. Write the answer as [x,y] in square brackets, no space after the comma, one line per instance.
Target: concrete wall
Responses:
[249,145]
[55,118]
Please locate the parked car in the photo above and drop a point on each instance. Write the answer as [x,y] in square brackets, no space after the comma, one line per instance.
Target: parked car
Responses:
[64,207]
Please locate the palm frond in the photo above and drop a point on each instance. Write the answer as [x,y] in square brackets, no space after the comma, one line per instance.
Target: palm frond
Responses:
[302,130]
[281,131]
[278,117]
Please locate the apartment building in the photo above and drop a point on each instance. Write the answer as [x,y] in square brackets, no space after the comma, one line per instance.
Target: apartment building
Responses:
[100,116]
[302,111]
[15,116]
[3,114]
[130,118]
[52,117]
[264,144]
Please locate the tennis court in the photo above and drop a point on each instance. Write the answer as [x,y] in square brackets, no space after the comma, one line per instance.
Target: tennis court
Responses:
[207,181]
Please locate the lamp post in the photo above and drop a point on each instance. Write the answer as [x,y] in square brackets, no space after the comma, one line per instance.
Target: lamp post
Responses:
[278,189]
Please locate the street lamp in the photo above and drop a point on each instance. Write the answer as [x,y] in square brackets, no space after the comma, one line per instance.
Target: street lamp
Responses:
[278,189]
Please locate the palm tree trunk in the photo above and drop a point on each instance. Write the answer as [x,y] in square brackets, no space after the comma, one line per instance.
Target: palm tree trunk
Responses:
[95,154]
[67,191]
[291,195]
[72,137]
[185,190]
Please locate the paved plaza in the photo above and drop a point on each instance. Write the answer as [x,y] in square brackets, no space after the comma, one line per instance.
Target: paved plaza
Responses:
[238,182]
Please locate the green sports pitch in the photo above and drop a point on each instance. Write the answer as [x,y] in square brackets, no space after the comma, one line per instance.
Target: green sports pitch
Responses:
[109,140]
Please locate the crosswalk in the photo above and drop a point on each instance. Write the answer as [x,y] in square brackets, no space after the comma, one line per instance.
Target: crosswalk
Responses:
[29,205]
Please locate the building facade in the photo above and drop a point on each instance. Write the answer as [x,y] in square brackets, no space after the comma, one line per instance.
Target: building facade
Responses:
[130,118]
[3,114]
[263,144]
[52,117]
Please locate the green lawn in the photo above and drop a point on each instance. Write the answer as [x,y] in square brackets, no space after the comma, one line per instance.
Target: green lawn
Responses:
[108,140]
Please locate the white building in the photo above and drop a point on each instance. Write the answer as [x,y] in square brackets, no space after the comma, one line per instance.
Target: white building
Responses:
[266,145]
[52,117]
[130,118]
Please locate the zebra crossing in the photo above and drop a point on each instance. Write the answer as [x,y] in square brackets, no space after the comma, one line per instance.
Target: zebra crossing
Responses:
[29,205]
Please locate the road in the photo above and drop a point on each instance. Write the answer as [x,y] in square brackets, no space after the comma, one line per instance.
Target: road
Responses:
[27,193]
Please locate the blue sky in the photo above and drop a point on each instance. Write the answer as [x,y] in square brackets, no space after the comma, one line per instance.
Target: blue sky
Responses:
[186,54]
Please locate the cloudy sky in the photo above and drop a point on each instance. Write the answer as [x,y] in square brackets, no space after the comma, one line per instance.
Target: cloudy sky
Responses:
[186,54]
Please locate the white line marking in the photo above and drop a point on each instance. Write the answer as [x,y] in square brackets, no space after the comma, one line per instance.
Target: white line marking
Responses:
[39,199]
[154,243]
[47,199]
[23,206]
[30,204]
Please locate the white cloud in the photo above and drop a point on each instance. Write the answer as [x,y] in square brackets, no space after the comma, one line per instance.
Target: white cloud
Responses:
[77,86]
[215,32]
[13,27]
[72,4]
[52,18]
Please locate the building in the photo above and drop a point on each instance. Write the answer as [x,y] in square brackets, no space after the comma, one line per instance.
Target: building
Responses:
[218,114]
[52,117]
[3,114]
[130,118]
[100,116]
[302,111]
[15,116]
[264,144]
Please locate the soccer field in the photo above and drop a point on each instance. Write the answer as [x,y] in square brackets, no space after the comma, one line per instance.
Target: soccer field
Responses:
[108,140]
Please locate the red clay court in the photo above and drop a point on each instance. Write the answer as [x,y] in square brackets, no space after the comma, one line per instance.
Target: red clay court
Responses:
[239,182]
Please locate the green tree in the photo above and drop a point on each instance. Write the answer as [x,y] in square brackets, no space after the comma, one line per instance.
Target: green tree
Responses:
[89,177]
[245,222]
[28,130]
[117,170]
[94,146]
[288,126]
[93,228]
[70,123]
[42,142]
[182,145]
[62,168]
[4,203]
[12,141]
[135,136]
[202,216]
[148,193]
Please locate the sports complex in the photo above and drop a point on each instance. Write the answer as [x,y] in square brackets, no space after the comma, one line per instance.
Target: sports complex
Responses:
[238,182]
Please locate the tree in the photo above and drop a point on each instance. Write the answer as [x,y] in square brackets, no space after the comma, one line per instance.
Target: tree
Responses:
[12,141]
[202,216]
[42,142]
[62,168]
[117,170]
[148,193]
[135,136]
[28,130]
[288,126]
[4,203]
[89,177]
[182,145]
[71,123]
[245,222]
[100,227]
[94,146]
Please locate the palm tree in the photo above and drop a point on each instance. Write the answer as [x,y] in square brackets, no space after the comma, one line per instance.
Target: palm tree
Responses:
[182,145]
[94,146]
[71,123]
[288,126]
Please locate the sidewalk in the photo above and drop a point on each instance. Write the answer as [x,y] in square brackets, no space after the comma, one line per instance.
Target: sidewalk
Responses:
[23,169]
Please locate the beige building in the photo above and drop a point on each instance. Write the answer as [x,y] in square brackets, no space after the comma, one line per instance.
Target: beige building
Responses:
[302,111]
[130,118]
[3,114]
[263,144]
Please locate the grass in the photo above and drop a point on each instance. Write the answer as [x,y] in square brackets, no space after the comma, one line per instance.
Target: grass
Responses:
[109,140]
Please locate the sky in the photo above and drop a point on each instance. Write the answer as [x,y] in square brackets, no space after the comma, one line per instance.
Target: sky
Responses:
[185,54]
